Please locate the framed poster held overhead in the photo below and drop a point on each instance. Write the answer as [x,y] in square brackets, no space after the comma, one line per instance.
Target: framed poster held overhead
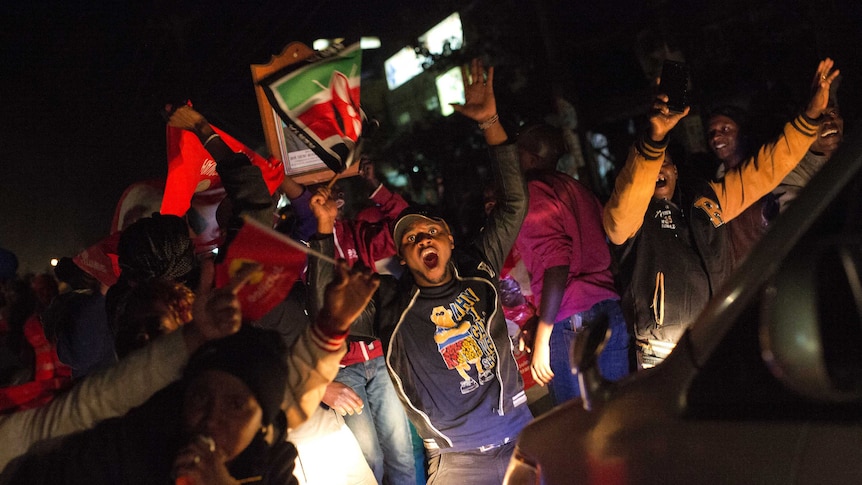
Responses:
[300,161]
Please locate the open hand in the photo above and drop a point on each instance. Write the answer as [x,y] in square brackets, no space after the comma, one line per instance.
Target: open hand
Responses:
[346,296]
[479,102]
[823,78]
[216,313]
[662,119]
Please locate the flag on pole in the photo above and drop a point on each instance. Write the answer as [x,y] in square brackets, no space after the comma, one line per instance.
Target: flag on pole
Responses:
[282,264]
[193,187]
[191,168]
[319,102]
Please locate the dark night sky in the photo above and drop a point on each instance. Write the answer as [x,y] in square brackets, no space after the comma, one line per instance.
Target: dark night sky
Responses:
[81,84]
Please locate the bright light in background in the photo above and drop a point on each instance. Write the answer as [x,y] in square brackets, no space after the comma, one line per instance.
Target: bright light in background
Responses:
[369,43]
[402,67]
[366,43]
[406,63]
[448,31]
[54,262]
[450,89]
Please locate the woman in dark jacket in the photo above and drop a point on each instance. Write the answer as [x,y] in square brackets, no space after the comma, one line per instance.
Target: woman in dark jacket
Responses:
[221,424]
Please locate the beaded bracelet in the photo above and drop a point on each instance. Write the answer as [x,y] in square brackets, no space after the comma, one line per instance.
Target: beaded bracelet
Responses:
[489,122]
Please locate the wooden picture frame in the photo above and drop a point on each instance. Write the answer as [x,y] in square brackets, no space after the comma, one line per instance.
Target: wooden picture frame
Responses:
[299,163]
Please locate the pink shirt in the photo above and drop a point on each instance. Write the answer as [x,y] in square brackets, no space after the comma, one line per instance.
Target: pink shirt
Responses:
[563,227]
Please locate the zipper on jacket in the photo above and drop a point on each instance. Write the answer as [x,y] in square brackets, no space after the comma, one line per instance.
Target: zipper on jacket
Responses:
[399,385]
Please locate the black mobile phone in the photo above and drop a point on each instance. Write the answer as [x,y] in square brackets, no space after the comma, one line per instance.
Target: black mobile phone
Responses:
[674,83]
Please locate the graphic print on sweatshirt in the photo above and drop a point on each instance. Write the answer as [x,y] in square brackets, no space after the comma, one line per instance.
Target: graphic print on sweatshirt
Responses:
[462,341]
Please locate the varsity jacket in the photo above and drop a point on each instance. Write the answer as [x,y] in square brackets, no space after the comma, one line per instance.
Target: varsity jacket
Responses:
[674,255]
[479,265]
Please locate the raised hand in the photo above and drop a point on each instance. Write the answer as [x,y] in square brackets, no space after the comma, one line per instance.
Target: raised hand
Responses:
[186,118]
[479,102]
[216,313]
[366,171]
[345,298]
[662,119]
[324,209]
[823,78]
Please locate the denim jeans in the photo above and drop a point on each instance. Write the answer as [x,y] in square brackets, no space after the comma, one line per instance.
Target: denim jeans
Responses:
[470,467]
[382,429]
[613,361]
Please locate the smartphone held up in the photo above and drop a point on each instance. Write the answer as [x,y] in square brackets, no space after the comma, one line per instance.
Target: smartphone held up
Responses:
[674,84]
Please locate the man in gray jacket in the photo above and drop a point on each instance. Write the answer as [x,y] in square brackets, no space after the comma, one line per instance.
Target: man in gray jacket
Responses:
[444,334]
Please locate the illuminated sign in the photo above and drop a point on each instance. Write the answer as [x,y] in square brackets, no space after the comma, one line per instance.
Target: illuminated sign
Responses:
[448,31]
[402,67]
[406,64]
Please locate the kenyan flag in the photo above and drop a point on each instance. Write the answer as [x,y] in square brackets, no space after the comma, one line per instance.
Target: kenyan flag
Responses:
[319,101]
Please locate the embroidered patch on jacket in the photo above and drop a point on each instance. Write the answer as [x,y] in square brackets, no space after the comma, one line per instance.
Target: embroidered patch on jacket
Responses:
[712,210]
[665,217]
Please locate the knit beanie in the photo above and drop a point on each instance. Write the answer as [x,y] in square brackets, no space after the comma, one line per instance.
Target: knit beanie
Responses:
[255,356]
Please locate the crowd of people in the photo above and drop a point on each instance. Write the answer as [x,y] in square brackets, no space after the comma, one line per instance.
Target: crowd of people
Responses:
[396,364]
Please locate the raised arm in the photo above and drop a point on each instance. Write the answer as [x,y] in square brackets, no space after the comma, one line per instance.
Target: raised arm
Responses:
[243,182]
[758,175]
[481,106]
[635,184]
[316,354]
[390,203]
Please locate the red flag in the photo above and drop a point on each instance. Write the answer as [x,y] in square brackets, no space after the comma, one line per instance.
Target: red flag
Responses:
[282,263]
[100,260]
[191,168]
[139,200]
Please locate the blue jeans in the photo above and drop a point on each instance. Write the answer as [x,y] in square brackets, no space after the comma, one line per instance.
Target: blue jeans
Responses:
[469,467]
[613,361]
[382,429]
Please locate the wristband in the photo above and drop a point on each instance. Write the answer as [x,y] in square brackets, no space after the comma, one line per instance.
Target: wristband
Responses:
[211,138]
[484,125]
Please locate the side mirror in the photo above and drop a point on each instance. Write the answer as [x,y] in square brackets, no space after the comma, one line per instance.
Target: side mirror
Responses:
[811,321]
